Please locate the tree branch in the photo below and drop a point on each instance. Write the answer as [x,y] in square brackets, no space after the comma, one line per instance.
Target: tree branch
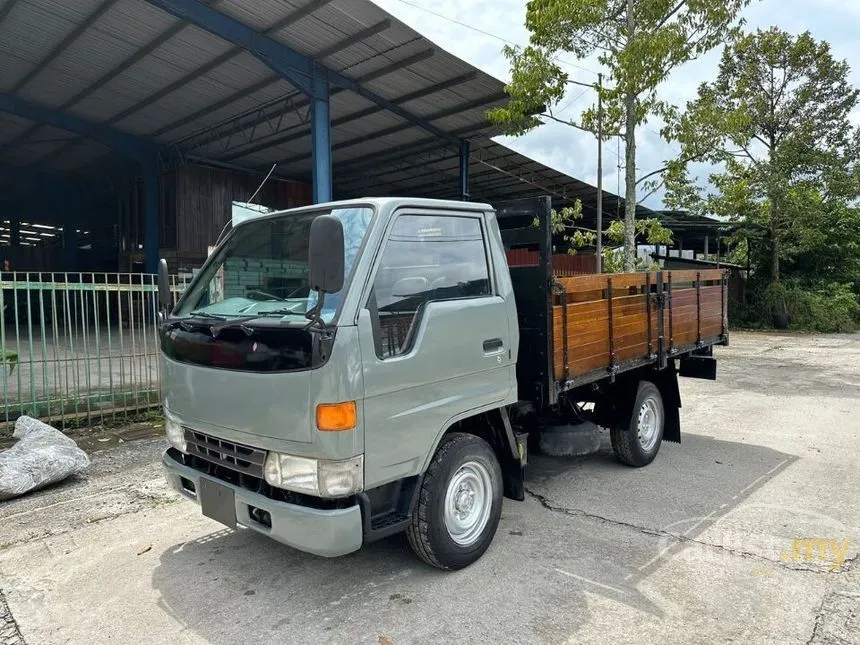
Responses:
[670,14]
[762,141]
[749,154]
[684,160]
[577,126]
[654,190]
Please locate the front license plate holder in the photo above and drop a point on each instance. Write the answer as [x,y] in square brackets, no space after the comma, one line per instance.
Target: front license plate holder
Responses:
[217,502]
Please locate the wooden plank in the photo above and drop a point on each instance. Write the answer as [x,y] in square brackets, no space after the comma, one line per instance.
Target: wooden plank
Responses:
[711,330]
[594,295]
[600,282]
[712,274]
[630,352]
[599,307]
[575,320]
[578,337]
[717,291]
[586,350]
[586,365]
[634,346]
[603,323]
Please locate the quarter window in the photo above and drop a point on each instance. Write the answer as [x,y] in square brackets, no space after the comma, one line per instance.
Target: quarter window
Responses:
[426,258]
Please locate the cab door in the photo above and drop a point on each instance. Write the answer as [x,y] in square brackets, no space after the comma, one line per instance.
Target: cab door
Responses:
[434,337]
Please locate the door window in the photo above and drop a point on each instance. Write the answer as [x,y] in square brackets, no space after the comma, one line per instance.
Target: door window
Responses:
[426,258]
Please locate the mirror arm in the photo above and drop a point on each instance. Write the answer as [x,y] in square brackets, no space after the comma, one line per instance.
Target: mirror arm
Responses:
[314,314]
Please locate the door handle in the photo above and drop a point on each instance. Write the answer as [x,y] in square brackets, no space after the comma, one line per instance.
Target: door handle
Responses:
[493,345]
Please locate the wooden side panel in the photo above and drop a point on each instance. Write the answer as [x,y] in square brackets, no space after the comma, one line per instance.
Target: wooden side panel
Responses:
[613,319]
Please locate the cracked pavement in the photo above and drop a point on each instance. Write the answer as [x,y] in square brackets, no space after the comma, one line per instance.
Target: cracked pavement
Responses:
[748,531]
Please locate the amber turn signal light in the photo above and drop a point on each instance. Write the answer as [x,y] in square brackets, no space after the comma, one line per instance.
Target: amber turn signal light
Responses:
[334,417]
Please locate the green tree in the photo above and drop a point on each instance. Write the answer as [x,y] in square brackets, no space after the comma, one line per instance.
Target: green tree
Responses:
[637,42]
[775,124]
[563,223]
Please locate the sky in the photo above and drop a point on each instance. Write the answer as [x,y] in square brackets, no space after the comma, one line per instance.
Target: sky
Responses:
[489,24]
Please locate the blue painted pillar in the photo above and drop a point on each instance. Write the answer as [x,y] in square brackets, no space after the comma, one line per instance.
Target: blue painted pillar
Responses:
[15,230]
[464,170]
[150,206]
[321,137]
[70,246]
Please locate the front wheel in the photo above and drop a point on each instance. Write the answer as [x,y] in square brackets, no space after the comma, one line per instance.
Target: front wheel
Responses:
[459,504]
[638,444]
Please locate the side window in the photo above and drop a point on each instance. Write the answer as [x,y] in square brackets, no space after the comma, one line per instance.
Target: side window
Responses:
[425,258]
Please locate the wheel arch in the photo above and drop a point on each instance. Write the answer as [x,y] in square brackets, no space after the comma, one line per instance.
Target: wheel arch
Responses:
[493,425]
[615,408]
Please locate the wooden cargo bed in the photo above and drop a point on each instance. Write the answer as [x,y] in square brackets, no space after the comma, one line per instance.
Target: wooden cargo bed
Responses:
[603,324]
[581,329]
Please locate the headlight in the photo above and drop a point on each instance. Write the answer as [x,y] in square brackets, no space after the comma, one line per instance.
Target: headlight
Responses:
[175,432]
[319,477]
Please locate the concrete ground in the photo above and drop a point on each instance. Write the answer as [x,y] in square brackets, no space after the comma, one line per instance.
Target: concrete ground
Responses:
[699,547]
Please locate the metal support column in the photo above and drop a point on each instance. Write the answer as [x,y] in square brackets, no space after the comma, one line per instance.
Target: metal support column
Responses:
[321,140]
[464,169]
[150,206]
[15,231]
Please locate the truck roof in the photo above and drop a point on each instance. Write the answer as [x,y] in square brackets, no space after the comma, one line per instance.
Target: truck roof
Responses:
[383,203]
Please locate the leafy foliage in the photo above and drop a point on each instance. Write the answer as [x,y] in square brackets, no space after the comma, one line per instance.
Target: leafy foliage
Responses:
[637,43]
[776,125]
[648,231]
[819,306]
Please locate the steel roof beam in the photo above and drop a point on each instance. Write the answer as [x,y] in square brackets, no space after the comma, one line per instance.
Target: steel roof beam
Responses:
[61,47]
[349,118]
[128,144]
[403,152]
[6,9]
[256,87]
[208,67]
[104,79]
[269,116]
[441,114]
[289,63]
[296,67]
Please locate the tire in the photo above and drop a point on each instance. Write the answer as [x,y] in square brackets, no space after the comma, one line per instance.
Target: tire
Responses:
[451,528]
[638,444]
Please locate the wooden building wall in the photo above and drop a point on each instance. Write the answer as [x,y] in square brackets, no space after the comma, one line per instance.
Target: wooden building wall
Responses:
[195,205]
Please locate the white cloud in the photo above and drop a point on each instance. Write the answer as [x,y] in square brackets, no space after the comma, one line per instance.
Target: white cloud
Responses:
[574,152]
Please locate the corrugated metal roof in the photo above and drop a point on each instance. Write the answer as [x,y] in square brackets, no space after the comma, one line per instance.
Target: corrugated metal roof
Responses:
[142,71]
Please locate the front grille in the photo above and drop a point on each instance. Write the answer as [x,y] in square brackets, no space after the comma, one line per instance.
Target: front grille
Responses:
[235,456]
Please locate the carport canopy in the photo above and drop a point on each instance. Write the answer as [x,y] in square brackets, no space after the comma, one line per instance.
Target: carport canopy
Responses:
[336,93]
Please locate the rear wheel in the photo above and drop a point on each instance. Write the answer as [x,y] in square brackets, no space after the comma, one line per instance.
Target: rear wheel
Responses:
[638,443]
[459,504]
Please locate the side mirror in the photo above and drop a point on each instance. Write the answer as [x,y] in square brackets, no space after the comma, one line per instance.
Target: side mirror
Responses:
[163,286]
[325,254]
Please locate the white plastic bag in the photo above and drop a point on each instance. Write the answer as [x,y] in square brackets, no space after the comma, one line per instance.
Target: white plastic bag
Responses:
[42,456]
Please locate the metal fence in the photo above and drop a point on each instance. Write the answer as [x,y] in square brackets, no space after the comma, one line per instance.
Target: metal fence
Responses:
[78,347]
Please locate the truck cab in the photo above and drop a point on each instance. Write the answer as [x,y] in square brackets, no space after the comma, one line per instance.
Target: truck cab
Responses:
[338,373]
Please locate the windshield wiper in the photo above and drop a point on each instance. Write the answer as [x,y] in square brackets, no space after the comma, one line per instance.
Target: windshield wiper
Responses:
[207,315]
[222,324]
[280,312]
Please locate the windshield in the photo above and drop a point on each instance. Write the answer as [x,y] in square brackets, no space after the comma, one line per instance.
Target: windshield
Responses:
[262,269]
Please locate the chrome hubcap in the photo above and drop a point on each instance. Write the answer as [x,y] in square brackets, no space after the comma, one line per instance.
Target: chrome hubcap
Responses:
[467,503]
[648,423]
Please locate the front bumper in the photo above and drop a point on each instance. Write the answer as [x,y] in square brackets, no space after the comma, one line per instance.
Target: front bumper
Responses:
[327,533]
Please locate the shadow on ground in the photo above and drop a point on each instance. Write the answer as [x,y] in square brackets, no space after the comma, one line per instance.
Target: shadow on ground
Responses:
[589,525]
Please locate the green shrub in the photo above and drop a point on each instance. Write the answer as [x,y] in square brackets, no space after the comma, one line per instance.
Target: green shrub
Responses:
[822,307]
[829,307]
